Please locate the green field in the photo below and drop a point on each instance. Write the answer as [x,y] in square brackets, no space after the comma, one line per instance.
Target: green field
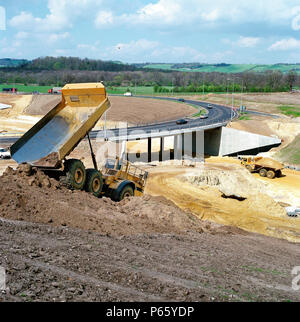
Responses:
[27,89]
[231,68]
[160,66]
[290,110]
[138,90]
[120,90]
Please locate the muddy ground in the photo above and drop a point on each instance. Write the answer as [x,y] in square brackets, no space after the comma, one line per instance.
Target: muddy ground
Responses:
[58,245]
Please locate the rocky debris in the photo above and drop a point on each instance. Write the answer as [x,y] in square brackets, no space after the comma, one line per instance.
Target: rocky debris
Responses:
[33,176]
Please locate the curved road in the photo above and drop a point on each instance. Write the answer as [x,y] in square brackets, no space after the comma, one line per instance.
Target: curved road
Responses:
[216,115]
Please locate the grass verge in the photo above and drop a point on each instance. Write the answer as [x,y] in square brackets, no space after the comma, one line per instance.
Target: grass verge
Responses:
[290,153]
[290,110]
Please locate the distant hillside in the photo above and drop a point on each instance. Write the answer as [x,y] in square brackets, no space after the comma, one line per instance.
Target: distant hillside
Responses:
[222,68]
[71,64]
[7,62]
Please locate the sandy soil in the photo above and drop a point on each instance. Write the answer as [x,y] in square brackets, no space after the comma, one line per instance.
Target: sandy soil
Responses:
[12,120]
[198,190]
[142,249]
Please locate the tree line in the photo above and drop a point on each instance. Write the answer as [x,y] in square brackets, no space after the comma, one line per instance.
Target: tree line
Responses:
[59,71]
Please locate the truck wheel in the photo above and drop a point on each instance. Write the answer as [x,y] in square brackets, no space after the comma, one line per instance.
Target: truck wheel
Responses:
[94,182]
[126,192]
[271,174]
[75,174]
[263,172]
[278,173]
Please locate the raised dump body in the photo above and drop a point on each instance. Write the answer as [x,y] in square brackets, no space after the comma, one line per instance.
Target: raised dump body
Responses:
[268,163]
[57,134]
[266,167]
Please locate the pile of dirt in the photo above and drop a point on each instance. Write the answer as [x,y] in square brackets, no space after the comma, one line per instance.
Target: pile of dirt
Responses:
[238,182]
[27,194]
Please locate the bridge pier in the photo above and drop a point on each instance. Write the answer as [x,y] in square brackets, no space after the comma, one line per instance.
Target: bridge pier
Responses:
[178,146]
[149,149]
[161,149]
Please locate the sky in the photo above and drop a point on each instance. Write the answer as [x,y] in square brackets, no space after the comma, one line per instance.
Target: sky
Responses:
[158,31]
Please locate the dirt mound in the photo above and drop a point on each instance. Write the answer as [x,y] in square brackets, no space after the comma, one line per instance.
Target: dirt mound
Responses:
[238,182]
[27,194]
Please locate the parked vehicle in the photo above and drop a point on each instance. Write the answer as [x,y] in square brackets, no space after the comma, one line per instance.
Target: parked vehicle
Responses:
[10,90]
[4,153]
[55,90]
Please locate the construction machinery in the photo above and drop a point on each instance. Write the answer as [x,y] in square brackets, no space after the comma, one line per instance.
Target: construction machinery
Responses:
[47,144]
[266,167]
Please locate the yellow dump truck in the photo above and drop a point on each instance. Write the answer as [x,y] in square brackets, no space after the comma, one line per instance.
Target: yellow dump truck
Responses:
[266,167]
[47,144]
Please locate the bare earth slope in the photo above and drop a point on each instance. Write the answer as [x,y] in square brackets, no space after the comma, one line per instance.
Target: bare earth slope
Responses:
[123,109]
[61,246]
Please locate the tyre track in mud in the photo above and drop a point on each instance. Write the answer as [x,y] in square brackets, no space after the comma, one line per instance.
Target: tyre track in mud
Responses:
[75,265]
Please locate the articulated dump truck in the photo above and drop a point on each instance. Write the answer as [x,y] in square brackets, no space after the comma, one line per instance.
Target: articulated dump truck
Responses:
[47,144]
[266,167]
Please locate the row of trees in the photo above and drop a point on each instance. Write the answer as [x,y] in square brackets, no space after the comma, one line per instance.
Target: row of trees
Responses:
[212,88]
[54,71]
[74,63]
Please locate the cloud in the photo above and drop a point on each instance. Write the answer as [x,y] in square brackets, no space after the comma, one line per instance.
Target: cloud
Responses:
[60,36]
[22,20]
[104,18]
[210,13]
[88,48]
[286,44]
[135,47]
[62,14]
[22,35]
[296,20]
[136,51]
[248,41]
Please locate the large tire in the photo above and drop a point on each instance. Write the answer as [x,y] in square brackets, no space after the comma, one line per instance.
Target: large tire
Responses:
[93,182]
[126,192]
[278,173]
[263,172]
[75,175]
[271,174]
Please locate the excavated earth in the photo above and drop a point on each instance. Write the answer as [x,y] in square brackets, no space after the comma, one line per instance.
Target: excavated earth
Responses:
[59,245]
